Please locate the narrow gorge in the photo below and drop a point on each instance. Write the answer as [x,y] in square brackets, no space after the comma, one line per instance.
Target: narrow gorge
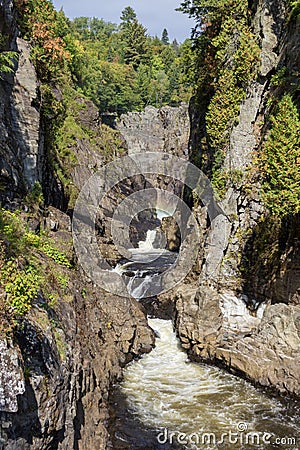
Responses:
[149,251]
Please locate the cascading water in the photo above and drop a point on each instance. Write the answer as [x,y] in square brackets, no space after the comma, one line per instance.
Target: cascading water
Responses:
[190,405]
[147,245]
[148,262]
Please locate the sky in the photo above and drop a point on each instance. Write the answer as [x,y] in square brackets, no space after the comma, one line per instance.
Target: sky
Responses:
[155,15]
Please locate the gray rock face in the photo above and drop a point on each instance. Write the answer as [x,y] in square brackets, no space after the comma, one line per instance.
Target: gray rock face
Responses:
[271,354]
[264,348]
[268,23]
[157,130]
[12,381]
[26,116]
[242,137]
[20,133]
[243,311]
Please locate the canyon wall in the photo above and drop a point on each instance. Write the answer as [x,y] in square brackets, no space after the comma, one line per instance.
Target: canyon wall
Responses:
[243,312]
[59,361]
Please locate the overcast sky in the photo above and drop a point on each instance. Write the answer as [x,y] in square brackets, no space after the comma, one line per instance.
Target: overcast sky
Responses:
[155,15]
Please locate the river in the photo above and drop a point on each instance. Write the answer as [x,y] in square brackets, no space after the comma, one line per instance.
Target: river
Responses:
[165,401]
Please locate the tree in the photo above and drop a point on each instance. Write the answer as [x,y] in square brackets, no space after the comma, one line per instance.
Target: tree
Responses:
[81,26]
[175,46]
[134,38]
[117,91]
[165,37]
[46,29]
[7,62]
[281,160]
[101,29]
[128,15]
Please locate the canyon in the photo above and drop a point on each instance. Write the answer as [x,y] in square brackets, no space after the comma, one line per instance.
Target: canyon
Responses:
[237,309]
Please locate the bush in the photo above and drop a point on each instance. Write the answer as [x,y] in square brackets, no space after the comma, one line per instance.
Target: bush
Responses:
[20,285]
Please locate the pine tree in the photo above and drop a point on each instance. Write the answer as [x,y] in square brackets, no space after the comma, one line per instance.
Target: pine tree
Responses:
[7,62]
[281,160]
[134,37]
[165,37]
[128,15]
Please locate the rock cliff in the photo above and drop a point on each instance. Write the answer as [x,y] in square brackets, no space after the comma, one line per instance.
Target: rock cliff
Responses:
[59,361]
[243,312]
[19,116]
[157,130]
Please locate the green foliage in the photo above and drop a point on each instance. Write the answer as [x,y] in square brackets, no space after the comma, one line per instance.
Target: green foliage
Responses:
[55,254]
[134,38]
[21,286]
[113,66]
[223,111]
[226,59]
[35,197]
[45,29]
[22,266]
[279,77]
[294,9]
[7,58]
[43,244]
[7,62]
[223,179]
[117,88]
[165,37]
[281,160]
[236,67]
[11,230]
[127,70]
[63,281]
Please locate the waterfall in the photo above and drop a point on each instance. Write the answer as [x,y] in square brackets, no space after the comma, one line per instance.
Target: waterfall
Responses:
[139,285]
[142,274]
[147,245]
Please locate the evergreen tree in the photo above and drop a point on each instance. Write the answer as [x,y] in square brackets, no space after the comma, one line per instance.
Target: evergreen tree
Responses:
[281,160]
[128,15]
[134,38]
[175,46]
[165,37]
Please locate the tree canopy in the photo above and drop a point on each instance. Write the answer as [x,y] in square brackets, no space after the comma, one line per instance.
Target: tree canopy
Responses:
[120,68]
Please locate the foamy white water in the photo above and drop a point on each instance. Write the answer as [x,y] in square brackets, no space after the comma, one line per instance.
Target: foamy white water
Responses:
[165,390]
[147,245]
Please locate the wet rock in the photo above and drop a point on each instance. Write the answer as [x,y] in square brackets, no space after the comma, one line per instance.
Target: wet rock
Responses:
[264,346]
